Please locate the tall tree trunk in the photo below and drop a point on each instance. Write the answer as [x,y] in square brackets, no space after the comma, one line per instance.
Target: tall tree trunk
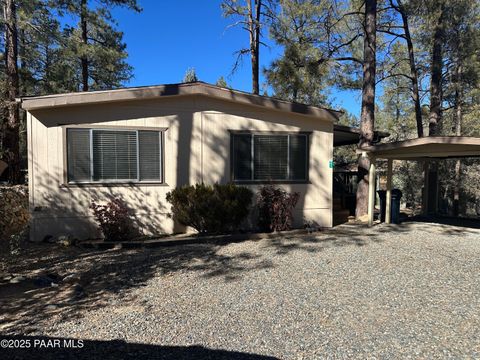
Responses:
[11,128]
[22,45]
[436,76]
[84,59]
[435,116]
[458,132]
[256,62]
[254,15]
[47,76]
[367,121]
[413,69]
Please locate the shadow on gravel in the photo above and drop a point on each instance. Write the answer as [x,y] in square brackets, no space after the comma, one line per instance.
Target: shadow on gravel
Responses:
[62,348]
[345,235]
[62,282]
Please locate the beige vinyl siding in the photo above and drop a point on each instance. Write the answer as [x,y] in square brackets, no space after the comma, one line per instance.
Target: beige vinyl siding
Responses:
[196,148]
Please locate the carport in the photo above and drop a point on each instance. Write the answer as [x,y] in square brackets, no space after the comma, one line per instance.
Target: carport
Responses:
[421,149]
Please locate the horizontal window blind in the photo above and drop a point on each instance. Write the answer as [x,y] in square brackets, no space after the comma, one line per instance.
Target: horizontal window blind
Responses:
[149,154]
[297,157]
[270,157]
[114,155]
[78,154]
[242,157]
[264,157]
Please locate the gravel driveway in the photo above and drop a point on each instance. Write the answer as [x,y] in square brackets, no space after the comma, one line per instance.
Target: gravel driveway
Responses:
[389,292]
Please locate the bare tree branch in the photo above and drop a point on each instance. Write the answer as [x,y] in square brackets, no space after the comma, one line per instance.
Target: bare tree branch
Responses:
[392,76]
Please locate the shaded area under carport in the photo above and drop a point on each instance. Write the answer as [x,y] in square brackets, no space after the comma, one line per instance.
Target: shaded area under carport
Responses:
[425,149]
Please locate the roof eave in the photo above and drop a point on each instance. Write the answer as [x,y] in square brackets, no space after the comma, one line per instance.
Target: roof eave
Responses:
[153,92]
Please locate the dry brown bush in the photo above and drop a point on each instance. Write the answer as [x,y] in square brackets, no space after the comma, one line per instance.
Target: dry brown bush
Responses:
[14,214]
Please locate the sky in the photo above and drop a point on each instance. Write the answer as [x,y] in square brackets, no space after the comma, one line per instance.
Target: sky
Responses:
[170,36]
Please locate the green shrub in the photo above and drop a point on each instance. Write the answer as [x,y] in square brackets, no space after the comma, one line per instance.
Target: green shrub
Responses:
[275,208]
[210,209]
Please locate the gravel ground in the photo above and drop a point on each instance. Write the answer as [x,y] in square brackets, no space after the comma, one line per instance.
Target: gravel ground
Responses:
[408,291]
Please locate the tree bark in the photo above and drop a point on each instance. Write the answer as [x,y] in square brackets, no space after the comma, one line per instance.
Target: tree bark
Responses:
[84,59]
[47,76]
[22,46]
[458,132]
[435,116]
[367,121]
[256,61]
[11,127]
[413,69]
[254,14]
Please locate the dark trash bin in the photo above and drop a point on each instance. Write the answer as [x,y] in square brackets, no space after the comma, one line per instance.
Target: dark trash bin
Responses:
[395,206]
[382,194]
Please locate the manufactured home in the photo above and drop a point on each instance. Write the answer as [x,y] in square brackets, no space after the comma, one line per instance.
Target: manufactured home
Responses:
[137,144]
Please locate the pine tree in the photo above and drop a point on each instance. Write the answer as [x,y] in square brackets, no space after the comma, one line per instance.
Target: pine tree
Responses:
[461,77]
[406,12]
[367,117]
[190,76]
[221,82]
[41,57]
[297,75]
[249,15]
[436,67]
[11,125]
[94,46]
[40,47]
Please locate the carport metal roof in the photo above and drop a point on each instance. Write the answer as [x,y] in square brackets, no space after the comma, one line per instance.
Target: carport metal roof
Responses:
[433,147]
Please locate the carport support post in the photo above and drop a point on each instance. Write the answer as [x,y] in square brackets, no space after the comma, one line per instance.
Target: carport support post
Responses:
[371,191]
[388,210]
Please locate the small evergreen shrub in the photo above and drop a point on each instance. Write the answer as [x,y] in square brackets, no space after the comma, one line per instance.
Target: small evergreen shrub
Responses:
[114,220]
[275,207]
[210,209]
[235,204]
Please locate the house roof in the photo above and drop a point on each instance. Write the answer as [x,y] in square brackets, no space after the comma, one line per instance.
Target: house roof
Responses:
[343,135]
[157,91]
[439,147]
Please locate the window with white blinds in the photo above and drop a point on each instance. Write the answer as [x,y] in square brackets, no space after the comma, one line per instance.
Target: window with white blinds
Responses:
[104,155]
[114,155]
[270,157]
